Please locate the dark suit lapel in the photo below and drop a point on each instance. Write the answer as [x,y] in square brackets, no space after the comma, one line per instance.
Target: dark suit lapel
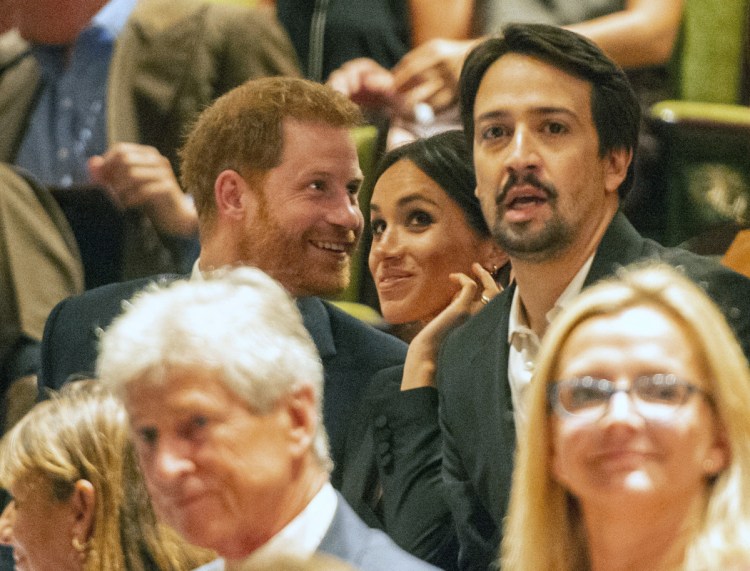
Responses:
[318,324]
[490,356]
[493,462]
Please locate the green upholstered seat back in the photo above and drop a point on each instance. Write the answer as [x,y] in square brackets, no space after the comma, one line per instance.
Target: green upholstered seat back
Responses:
[711,50]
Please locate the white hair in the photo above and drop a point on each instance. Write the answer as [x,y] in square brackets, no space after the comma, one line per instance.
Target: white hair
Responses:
[238,322]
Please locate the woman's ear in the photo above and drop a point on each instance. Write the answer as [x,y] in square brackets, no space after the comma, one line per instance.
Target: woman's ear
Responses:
[719,454]
[83,503]
[492,256]
[7,521]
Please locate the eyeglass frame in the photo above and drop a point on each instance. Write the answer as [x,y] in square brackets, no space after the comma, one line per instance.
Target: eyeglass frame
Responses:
[553,394]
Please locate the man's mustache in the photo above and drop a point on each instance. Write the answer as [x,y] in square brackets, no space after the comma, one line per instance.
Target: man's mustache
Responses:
[526,179]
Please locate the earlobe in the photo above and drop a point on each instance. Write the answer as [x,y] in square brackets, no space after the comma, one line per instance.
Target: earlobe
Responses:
[493,257]
[718,456]
[230,193]
[618,162]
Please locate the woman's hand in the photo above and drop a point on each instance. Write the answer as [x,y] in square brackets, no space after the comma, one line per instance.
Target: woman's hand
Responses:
[421,359]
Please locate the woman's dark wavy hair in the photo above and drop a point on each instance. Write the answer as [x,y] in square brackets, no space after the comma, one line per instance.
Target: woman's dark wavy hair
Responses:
[614,106]
[446,159]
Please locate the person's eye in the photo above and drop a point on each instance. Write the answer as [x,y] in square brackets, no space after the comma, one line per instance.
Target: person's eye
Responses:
[555,128]
[582,397]
[660,388]
[419,219]
[493,132]
[198,422]
[353,188]
[378,227]
[148,436]
[318,185]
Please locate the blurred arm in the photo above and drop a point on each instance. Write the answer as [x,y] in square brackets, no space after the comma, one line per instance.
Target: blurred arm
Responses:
[643,34]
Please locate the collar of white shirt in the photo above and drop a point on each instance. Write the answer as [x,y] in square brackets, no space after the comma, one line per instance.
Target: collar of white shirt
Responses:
[301,537]
[524,342]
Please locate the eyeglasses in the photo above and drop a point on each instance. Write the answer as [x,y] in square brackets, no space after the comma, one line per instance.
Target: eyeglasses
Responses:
[654,396]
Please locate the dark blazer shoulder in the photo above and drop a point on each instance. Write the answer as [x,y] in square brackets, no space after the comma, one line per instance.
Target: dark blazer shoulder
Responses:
[391,350]
[351,338]
[622,246]
[71,334]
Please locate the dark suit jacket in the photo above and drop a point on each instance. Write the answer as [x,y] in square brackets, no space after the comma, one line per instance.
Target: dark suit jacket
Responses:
[391,471]
[476,411]
[349,539]
[351,351]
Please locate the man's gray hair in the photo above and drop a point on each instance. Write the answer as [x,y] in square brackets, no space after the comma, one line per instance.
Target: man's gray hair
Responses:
[240,323]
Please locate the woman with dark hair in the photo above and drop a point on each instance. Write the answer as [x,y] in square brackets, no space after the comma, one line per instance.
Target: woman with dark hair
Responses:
[428,229]
[429,236]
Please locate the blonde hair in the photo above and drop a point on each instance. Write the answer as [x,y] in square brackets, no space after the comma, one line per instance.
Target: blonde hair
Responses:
[544,529]
[82,434]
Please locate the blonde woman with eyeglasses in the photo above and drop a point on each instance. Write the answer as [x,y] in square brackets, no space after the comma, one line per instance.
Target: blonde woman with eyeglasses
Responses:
[636,455]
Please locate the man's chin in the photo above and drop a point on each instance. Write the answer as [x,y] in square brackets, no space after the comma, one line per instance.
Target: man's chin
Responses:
[321,288]
[533,245]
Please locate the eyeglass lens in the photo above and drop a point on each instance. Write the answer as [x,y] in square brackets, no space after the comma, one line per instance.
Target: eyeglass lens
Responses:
[653,395]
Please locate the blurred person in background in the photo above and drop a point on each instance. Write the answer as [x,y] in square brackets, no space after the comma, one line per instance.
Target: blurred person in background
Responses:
[636,452]
[223,387]
[329,33]
[95,98]
[78,497]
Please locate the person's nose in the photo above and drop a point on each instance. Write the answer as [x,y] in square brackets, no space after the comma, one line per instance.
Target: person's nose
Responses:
[522,152]
[343,210]
[389,244]
[170,462]
[621,410]
[7,521]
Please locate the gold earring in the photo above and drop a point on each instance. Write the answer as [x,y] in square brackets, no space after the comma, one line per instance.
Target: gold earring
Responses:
[81,548]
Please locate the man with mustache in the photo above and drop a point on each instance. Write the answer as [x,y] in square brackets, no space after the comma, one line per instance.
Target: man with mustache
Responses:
[554,125]
[274,173]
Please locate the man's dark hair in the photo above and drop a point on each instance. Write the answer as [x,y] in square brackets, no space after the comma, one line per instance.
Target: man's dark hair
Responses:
[614,105]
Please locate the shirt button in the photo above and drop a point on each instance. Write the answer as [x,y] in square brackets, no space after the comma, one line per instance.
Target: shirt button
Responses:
[66,181]
[62,153]
[66,103]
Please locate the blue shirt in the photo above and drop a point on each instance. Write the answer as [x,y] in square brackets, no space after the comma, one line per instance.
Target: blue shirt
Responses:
[68,123]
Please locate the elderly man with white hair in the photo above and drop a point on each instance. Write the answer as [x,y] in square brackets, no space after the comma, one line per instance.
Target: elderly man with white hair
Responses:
[222,384]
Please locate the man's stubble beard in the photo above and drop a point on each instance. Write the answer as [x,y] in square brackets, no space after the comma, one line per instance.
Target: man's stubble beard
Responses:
[265,245]
[517,239]
[520,243]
